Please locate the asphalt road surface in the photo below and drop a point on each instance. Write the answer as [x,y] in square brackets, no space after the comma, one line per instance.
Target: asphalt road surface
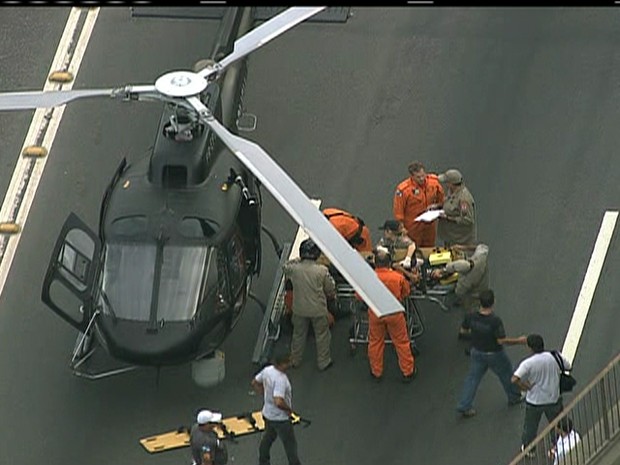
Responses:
[522,101]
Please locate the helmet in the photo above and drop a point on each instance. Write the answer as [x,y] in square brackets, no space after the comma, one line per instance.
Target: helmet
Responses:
[308,249]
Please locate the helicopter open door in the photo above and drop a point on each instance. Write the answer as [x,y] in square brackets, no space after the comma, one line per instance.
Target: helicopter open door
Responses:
[72,268]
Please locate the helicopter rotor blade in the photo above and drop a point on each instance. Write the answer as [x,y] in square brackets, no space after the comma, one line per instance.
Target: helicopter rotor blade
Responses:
[262,34]
[46,99]
[348,261]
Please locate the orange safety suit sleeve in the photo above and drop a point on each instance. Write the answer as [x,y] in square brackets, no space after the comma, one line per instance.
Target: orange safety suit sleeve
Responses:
[399,204]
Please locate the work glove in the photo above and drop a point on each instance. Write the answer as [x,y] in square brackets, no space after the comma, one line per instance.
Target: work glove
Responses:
[406,263]
[382,249]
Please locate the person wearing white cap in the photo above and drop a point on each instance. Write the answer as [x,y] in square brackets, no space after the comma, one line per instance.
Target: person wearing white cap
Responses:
[206,447]
[457,225]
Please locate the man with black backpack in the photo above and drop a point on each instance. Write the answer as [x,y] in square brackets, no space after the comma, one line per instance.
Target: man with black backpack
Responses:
[207,448]
[539,375]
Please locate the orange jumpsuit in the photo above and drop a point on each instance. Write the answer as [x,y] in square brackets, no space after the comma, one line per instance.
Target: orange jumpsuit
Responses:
[349,226]
[395,325]
[412,199]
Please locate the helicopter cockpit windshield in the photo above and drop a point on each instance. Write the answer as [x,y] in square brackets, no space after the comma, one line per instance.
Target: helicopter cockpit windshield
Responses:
[134,286]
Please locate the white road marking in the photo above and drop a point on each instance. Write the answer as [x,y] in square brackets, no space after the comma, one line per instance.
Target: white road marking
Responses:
[45,122]
[301,235]
[589,285]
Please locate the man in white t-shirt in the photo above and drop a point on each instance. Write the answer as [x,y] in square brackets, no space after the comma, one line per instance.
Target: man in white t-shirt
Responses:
[275,386]
[539,376]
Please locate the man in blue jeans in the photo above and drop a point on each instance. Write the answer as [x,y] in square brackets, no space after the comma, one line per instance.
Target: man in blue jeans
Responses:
[488,339]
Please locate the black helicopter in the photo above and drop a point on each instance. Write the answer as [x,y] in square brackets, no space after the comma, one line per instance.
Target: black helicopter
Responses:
[168,274]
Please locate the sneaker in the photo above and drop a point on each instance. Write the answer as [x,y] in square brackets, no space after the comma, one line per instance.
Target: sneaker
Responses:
[411,377]
[468,413]
[530,454]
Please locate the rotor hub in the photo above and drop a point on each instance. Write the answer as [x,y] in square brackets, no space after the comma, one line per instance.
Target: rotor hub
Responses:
[180,84]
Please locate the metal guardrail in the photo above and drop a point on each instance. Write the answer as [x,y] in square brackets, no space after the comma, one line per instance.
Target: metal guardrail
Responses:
[595,414]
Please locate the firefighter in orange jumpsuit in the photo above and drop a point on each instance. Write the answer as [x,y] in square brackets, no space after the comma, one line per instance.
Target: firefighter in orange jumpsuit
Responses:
[351,228]
[395,325]
[415,195]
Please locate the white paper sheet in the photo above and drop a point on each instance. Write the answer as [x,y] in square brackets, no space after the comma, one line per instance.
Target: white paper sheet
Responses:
[429,216]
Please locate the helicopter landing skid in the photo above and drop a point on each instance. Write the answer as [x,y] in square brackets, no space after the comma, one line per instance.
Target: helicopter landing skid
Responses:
[83,351]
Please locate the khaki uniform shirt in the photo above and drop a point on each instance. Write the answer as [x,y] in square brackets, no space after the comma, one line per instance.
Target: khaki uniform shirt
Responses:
[460,225]
[312,284]
[477,279]
[399,243]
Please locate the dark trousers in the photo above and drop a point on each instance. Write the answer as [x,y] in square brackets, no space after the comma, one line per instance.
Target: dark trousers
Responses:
[533,413]
[284,430]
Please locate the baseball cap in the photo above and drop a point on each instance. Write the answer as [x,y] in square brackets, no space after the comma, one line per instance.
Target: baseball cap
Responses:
[207,416]
[458,266]
[391,225]
[451,176]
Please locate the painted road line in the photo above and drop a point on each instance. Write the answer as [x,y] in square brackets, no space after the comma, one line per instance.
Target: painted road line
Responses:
[589,285]
[42,131]
[301,235]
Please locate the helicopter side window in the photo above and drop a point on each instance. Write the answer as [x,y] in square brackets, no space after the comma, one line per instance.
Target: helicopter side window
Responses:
[127,280]
[182,273]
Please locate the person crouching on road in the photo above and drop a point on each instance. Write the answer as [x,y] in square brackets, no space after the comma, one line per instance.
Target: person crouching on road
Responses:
[312,287]
[473,276]
[395,324]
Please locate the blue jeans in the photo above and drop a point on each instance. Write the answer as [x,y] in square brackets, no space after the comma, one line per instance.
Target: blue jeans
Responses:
[500,364]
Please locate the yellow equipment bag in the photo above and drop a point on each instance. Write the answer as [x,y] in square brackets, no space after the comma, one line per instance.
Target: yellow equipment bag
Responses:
[440,257]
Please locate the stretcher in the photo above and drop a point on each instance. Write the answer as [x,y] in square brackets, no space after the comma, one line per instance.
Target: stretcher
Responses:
[230,428]
[439,292]
[359,329]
